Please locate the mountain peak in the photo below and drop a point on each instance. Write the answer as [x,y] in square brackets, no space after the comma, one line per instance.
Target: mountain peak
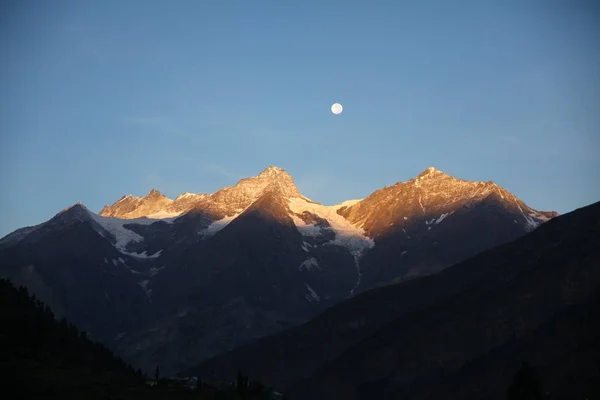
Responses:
[248,190]
[272,171]
[154,193]
[79,206]
[277,179]
[76,212]
[431,172]
[136,207]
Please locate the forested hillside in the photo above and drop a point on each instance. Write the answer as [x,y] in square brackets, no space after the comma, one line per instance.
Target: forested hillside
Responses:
[43,358]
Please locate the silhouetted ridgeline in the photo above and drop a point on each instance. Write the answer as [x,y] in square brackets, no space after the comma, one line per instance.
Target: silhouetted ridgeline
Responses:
[48,358]
[43,358]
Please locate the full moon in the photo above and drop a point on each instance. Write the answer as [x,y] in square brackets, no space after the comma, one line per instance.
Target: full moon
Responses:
[337,108]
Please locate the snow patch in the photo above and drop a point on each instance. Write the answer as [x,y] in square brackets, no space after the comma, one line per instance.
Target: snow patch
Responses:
[144,255]
[154,271]
[144,285]
[347,203]
[306,246]
[442,217]
[312,296]
[116,261]
[530,223]
[421,204]
[304,228]
[308,264]
[541,217]
[218,225]
[188,195]
[116,227]
[346,234]
[165,216]
[122,234]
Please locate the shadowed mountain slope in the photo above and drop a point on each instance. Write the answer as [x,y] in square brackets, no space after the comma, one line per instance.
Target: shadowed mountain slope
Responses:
[387,340]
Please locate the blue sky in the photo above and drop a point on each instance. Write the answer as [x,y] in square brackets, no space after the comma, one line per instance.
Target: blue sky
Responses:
[102,99]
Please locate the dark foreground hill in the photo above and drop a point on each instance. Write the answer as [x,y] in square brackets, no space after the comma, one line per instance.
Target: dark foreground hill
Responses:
[463,331]
[42,358]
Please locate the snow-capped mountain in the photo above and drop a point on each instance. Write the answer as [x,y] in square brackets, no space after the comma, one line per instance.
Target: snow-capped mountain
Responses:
[249,259]
[154,204]
[456,332]
[226,202]
[432,193]
[312,219]
[434,220]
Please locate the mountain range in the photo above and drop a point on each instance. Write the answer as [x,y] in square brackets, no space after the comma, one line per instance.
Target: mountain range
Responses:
[174,282]
[461,333]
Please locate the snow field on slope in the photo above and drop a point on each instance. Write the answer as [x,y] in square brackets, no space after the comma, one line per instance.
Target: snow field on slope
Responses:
[346,234]
[123,235]
[218,225]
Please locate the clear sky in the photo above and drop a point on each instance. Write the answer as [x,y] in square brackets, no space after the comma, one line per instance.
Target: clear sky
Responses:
[100,99]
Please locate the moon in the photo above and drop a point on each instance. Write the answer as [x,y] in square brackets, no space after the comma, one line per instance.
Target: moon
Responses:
[337,108]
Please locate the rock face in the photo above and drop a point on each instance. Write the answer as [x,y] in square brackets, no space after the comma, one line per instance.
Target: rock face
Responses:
[433,221]
[205,273]
[154,203]
[432,193]
[226,202]
[463,331]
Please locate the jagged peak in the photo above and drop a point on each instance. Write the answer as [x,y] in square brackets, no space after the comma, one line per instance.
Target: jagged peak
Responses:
[127,197]
[271,181]
[154,193]
[431,172]
[271,177]
[279,180]
[273,170]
